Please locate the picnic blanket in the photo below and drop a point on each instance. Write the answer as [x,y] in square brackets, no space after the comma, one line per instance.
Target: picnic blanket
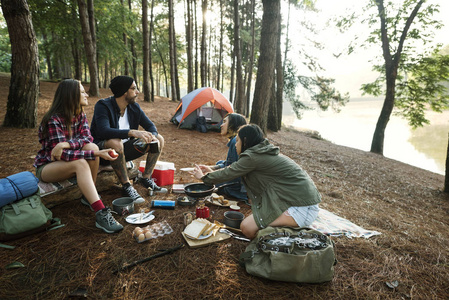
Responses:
[331,224]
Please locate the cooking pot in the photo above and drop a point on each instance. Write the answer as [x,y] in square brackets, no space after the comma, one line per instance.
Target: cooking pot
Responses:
[123,206]
[200,190]
[233,218]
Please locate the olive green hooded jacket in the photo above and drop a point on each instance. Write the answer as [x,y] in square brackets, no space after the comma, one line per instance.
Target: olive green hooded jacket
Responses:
[273,182]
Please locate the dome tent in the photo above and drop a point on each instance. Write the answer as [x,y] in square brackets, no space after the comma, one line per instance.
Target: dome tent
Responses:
[204,102]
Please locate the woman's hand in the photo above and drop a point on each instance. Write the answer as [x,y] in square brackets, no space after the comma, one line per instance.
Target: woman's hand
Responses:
[108,154]
[57,150]
[197,173]
[206,169]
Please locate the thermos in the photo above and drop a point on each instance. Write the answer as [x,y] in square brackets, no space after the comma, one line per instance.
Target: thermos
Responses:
[166,204]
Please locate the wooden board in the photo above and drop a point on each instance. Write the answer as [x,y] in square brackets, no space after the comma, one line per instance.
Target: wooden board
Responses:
[201,243]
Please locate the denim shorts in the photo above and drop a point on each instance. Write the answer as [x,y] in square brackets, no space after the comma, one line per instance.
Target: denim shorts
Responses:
[303,215]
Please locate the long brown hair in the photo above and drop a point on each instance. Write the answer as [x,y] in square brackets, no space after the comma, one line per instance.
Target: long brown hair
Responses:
[66,104]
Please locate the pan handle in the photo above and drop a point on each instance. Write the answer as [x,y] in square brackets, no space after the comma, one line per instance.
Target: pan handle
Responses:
[225,185]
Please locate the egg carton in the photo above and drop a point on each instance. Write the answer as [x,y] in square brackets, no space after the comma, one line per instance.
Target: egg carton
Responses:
[153,231]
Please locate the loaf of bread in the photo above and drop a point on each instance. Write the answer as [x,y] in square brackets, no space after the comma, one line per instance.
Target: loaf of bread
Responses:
[198,226]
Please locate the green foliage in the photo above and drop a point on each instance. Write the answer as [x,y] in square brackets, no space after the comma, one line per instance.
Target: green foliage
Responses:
[318,88]
[421,81]
[426,88]
[5,47]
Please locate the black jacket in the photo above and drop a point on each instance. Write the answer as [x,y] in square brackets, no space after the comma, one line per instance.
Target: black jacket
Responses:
[105,121]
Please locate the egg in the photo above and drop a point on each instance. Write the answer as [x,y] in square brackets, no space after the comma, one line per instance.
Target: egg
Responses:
[141,237]
[148,235]
[137,232]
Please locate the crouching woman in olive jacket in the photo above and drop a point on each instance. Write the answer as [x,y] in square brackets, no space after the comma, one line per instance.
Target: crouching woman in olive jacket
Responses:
[280,191]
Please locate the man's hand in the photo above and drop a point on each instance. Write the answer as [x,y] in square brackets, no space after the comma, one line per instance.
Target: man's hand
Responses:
[143,135]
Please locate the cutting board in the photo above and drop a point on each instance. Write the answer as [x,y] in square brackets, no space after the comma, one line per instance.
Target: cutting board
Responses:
[201,243]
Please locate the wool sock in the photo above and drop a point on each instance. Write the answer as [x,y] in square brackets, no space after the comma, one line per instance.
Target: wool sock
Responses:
[97,205]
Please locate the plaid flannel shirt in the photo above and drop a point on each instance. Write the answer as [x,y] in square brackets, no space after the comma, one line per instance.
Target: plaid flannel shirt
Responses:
[58,133]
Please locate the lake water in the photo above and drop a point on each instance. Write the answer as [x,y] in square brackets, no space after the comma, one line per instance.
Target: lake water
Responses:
[425,147]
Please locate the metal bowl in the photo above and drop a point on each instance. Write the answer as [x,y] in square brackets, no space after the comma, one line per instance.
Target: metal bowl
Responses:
[233,218]
[123,206]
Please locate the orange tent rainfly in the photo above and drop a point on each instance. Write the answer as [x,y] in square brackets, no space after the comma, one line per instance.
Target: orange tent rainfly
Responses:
[203,102]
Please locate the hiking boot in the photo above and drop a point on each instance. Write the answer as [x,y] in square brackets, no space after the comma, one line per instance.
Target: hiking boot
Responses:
[130,191]
[149,183]
[85,202]
[105,221]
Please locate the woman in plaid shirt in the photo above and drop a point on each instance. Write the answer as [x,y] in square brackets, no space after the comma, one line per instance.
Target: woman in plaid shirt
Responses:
[67,149]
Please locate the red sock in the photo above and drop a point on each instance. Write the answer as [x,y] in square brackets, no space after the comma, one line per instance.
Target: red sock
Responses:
[97,205]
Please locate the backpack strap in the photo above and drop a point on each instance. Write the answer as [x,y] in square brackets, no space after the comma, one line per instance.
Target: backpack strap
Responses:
[15,188]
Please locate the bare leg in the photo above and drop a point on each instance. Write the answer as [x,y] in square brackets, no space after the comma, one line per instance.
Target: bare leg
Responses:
[249,227]
[62,170]
[93,164]
[119,165]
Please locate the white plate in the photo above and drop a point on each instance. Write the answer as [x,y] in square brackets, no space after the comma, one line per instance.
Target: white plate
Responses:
[201,237]
[187,169]
[130,218]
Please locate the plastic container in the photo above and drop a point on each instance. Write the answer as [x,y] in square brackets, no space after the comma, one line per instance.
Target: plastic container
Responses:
[151,231]
[163,173]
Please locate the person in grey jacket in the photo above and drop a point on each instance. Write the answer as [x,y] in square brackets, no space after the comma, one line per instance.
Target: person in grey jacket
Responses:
[280,191]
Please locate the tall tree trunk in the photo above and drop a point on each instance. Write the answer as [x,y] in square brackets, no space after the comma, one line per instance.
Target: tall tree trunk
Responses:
[220,50]
[239,104]
[48,57]
[275,113]
[251,56]
[146,51]
[133,52]
[446,178]
[203,66]
[189,37]
[89,48]
[171,43]
[77,55]
[266,64]
[391,72]
[149,52]
[232,81]
[196,45]
[125,44]
[106,72]
[21,109]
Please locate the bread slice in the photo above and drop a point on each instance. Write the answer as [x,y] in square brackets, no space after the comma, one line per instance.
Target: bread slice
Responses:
[195,229]
[209,230]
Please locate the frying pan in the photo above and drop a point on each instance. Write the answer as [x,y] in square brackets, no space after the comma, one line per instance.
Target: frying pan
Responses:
[200,190]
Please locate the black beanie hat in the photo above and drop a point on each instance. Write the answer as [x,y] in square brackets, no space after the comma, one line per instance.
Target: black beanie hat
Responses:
[120,84]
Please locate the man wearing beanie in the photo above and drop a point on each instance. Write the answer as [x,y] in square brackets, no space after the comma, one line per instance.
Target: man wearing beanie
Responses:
[115,124]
